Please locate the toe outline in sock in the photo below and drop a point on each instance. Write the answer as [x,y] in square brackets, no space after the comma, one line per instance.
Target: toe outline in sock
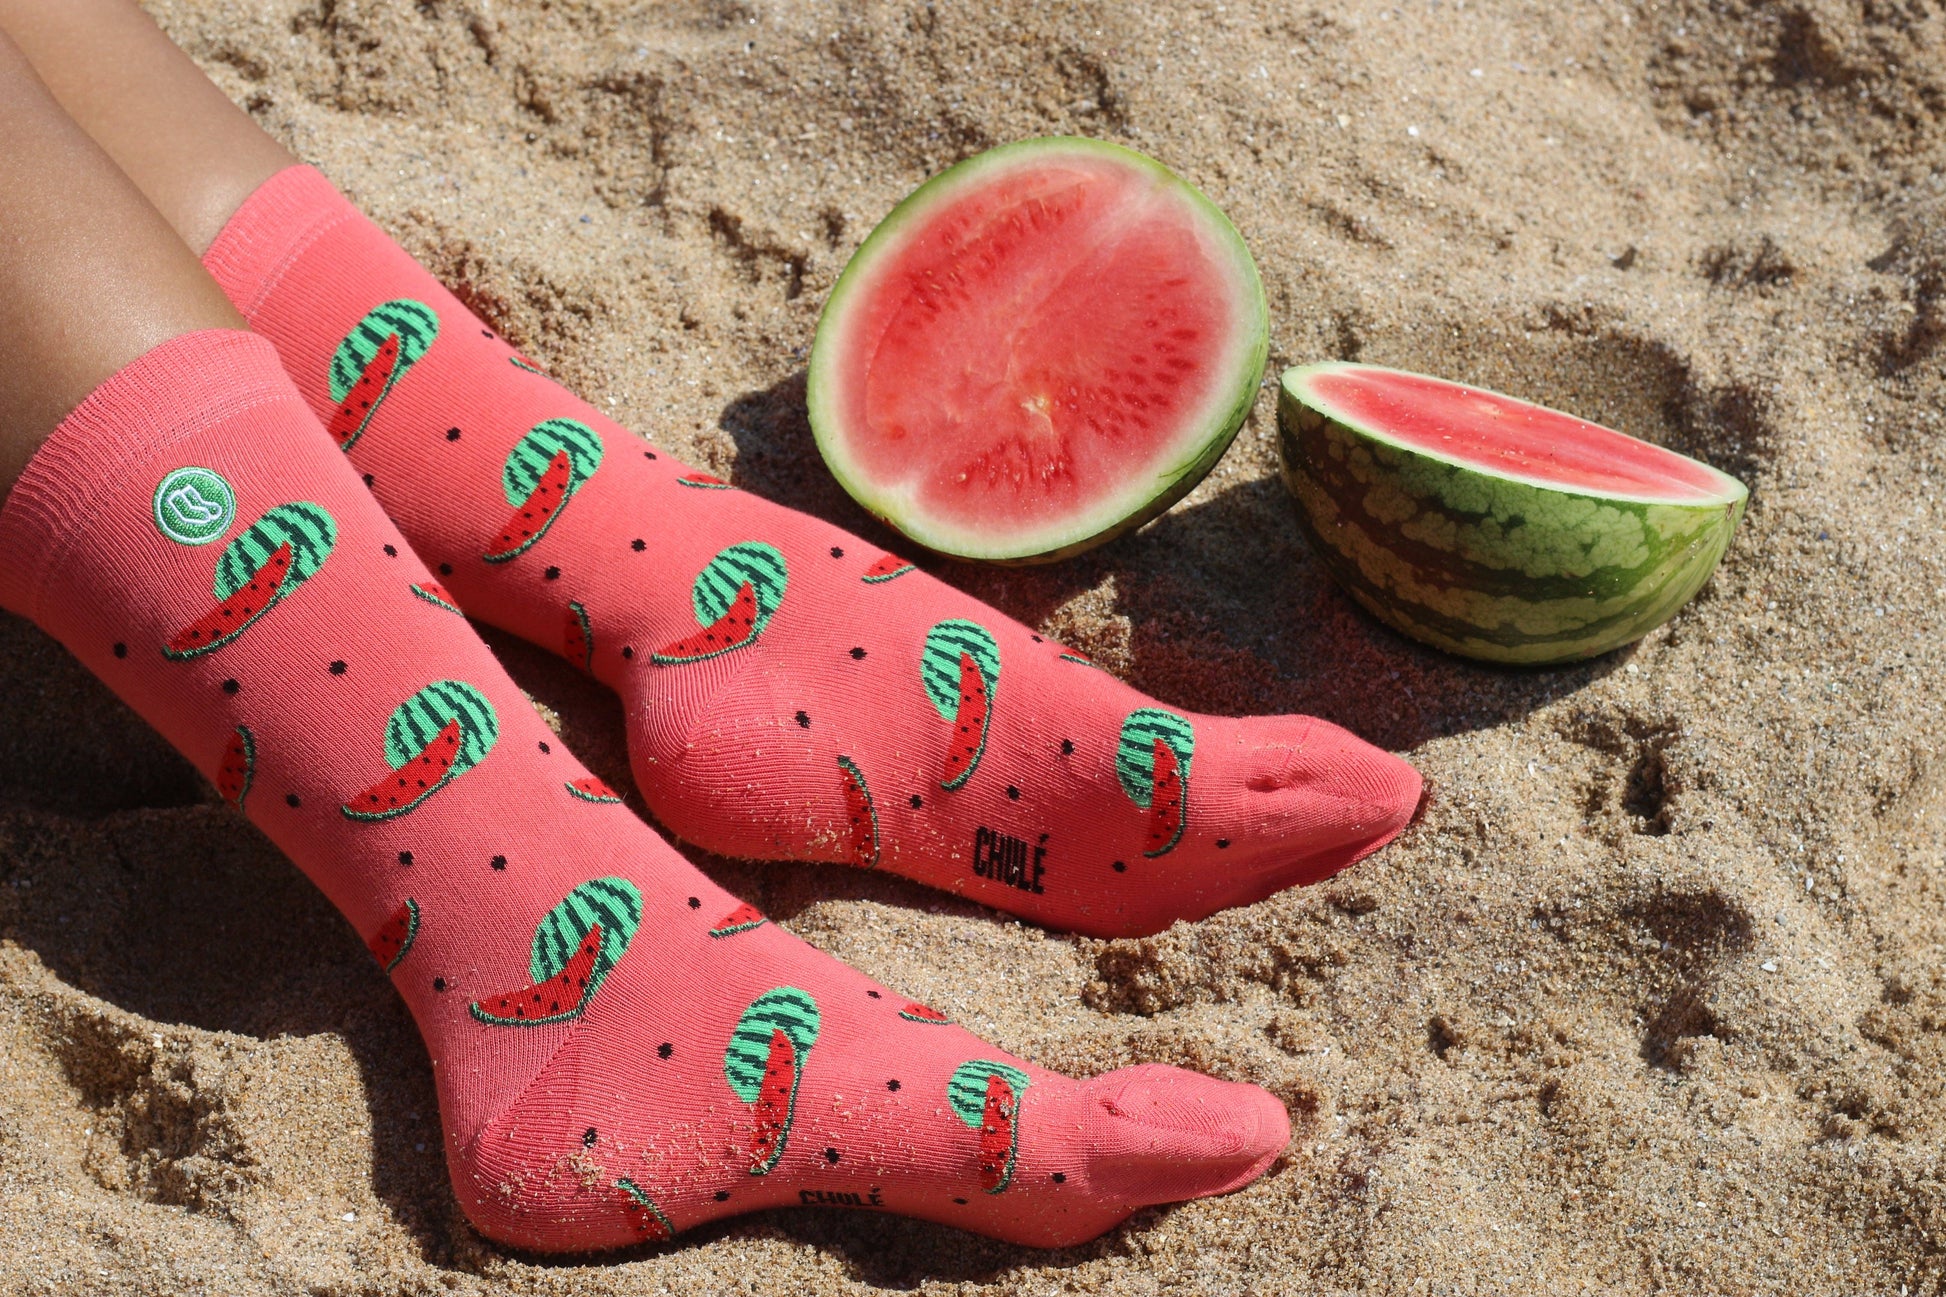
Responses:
[375,355]
[432,738]
[1152,762]
[765,1061]
[986,1097]
[266,562]
[576,944]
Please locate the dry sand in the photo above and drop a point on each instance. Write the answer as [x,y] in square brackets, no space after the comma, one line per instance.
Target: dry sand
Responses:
[1652,1001]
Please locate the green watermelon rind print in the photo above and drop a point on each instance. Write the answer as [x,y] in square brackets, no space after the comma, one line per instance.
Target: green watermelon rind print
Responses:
[1135,755]
[785,1009]
[939,663]
[614,903]
[417,326]
[418,720]
[966,1090]
[527,462]
[307,528]
[716,586]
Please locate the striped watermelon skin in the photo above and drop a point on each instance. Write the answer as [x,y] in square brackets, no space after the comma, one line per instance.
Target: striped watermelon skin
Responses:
[417,721]
[613,904]
[306,527]
[416,326]
[776,1032]
[527,462]
[1487,566]
[1135,754]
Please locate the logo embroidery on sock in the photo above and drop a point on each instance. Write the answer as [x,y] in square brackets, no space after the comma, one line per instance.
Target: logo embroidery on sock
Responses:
[764,1063]
[256,571]
[1152,762]
[986,1097]
[375,355]
[960,668]
[1007,859]
[840,1198]
[193,506]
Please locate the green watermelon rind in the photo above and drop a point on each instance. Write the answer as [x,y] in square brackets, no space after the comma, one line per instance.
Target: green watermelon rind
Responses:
[1110,520]
[614,903]
[1135,753]
[527,462]
[939,662]
[966,1089]
[784,1008]
[418,720]
[1490,565]
[417,326]
[716,586]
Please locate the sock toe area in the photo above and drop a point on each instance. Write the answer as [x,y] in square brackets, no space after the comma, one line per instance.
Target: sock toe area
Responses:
[1324,796]
[1159,1134]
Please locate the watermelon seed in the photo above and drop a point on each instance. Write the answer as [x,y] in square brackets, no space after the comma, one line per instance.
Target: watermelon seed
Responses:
[1120,868]
[405,858]
[452,434]
[837,552]
[438,983]
[664,1049]
[445,569]
[498,862]
[917,801]
[121,650]
[552,574]
[638,545]
[831,1156]
[628,653]
[722,1195]
[231,686]
[1222,843]
[1060,1177]
[588,1137]
[337,668]
[391,551]
[1067,747]
[1013,794]
[858,655]
[892,1085]
[545,749]
[695,903]
[804,720]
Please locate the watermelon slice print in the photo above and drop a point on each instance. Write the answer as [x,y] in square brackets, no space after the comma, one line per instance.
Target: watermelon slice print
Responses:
[960,668]
[592,789]
[396,935]
[238,768]
[432,738]
[705,481]
[375,355]
[764,1062]
[266,562]
[575,945]
[861,818]
[1081,659]
[543,471]
[734,596]
[521,362]
[743,918]
[437,595]
[885,569]
[986,1097]
[920,1013]
[1152,762]
[651,1226]
[578,637]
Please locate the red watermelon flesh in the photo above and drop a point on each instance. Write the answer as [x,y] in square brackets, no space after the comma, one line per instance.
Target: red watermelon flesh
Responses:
[576,647]
[560,997]
[743,918]
[542,503]
[1507,436]
[238,767]
[394,937]
[1044,347]
[861,821]
[969,724]
[1165,801]
[649,1224]
[775,1101]
[736,626]
[405,787]
[592,789]
[920,1013]
[239,610]
[997,1136]
[352,412]
[886,568]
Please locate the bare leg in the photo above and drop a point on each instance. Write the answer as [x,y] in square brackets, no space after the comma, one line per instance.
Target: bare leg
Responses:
[194,153]
[91,274]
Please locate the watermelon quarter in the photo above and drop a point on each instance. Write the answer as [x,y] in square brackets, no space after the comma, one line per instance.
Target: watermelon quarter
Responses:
[389,340]
[437,595]
[743,918]
[885,569]
[1152,762]
[575,945]
[238,768]
[986,1097]
[264,563]
[764,1063]
[705,481]
[915,1012]
[1041,348]
[861,817]
[734,597]
[543,471]
[396,935]
[1491,527]
[650,1225]
[432,738]
[592,789]
[578,637]
[960,668]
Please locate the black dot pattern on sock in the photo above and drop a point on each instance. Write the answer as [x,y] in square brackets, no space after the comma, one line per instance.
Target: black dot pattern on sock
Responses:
[917,801]
[628,653]
[722,1195]
[545,749]
[445,569]
[831,1156]
[231,686]
[1060,1177]
[858,655]
[368,481]
[837,552]
[1037,639]
[1222,843]
[452,434]
[960,1201]
[291,800]
[1120,868]
[337,668]
[638,544]
[695,902]
[893,1085]
[874,994]
[804,720]
[1013,794]
[664,1050]
[391,551]
[1067,747]
[121,650]
[438,983]
[649,454]
[588,1137]
[552,574]
[498,862]
[405,858]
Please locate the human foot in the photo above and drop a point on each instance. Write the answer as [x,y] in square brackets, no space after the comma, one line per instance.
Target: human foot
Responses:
[793,693]
[622,1049]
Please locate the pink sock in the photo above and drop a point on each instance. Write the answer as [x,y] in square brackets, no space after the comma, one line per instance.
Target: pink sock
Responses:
[622,1049]
[792,692]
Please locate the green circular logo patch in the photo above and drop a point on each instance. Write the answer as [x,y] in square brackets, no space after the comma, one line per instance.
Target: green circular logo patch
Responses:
[194,506]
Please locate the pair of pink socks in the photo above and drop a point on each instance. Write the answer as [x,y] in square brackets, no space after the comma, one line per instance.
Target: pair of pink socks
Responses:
[622,1049]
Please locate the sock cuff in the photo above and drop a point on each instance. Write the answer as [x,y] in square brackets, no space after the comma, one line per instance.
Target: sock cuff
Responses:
[168,393]
[275,226]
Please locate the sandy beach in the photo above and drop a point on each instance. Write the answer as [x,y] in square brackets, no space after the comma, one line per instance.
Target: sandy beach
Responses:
[1651,1000]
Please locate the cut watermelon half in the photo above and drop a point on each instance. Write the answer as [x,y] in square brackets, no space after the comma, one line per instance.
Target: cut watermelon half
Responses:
[1493,527]
[1040,349]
